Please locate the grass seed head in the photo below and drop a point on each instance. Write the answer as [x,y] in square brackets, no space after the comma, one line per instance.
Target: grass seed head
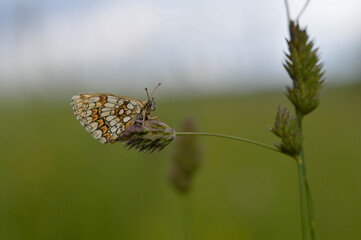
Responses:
[148,137]
[304,68]
[286,128]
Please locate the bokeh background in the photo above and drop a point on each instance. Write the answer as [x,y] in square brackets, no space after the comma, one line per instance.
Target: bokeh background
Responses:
[219,62]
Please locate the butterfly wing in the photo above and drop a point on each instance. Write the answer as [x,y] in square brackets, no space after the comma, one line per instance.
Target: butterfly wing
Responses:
[77,102]
[106,116]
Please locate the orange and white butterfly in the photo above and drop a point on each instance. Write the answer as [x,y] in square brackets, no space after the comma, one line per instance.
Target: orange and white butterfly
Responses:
[106,116]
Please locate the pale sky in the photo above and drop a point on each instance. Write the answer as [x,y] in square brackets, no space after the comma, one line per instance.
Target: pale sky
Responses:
[109,44]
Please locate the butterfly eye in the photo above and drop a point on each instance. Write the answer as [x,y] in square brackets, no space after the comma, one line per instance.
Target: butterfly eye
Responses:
[152,108]
[149,104]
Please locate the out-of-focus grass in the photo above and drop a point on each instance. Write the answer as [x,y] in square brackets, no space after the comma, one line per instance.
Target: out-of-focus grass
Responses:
[57,182]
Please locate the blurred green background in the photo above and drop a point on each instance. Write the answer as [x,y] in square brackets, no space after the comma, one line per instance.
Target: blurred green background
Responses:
[57,182]
[219,62]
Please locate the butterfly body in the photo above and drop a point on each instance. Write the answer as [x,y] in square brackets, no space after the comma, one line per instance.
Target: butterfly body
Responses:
[105,116]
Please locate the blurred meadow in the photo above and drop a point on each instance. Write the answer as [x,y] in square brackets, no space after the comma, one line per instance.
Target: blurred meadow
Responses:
[57,182]
[219,62]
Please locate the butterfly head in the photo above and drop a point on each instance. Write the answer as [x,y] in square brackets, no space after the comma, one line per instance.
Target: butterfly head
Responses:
[150,104]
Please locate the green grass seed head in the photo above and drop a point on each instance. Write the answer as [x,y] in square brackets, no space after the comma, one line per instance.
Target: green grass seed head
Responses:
[285,127]
[148,137]
[305,70]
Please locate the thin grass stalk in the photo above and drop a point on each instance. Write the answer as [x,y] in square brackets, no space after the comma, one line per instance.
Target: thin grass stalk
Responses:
[303,198]
[230,137]
[302,182]
[307,191]
[311,216]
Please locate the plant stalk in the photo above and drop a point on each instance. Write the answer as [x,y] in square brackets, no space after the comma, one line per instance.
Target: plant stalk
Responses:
[303,198]
[307,192]
[230,137]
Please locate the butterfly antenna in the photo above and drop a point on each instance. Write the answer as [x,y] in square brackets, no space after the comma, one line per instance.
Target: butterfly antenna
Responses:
[146,90]
[154,89]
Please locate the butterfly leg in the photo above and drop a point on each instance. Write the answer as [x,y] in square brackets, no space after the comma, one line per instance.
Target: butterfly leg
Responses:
[143,118]
[154,118]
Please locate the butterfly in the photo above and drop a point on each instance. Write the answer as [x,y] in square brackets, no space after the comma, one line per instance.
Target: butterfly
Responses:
[105,116]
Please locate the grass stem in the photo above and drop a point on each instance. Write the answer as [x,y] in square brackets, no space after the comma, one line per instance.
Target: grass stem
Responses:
[303,198]
[306,190]
[230,137]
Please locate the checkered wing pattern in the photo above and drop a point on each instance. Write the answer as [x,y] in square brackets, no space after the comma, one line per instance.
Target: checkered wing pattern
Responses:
[106,116]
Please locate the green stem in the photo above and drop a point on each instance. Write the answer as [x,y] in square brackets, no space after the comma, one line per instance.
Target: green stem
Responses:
[230,137]
[311,218]
[303,198]
[307,192]
[299,124]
